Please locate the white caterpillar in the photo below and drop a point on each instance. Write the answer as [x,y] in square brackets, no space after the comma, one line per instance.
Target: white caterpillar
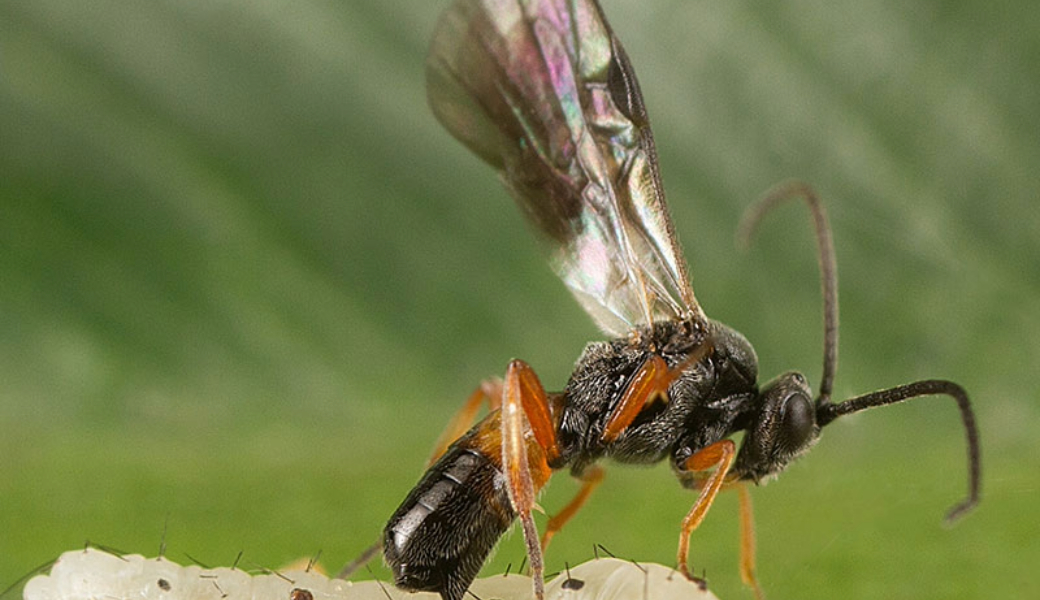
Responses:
[93,574]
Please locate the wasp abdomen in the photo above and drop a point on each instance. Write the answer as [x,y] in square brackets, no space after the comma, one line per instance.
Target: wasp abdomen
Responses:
[438,538]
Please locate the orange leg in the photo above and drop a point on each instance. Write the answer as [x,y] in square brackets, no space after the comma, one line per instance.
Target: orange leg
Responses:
[650,382]
[591,478]
[747,542]
[719,456]
[489,390]
[528,446]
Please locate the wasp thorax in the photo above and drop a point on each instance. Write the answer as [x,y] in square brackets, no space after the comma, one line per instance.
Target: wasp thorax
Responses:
[783,428]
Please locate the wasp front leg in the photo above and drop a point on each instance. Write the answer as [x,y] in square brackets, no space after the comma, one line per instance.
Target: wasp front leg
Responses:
[717,458]
[529,446]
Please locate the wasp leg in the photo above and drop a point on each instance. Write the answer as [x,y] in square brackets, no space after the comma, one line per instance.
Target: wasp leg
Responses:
[650,382]
[590,480]
[490,391]
[528,446]
[718,456]
[747,542]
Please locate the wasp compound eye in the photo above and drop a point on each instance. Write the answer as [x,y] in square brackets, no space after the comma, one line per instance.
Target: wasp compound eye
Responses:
[797,424]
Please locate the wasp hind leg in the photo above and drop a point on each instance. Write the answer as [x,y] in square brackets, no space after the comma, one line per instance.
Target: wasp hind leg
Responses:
[489,391]
[529,445]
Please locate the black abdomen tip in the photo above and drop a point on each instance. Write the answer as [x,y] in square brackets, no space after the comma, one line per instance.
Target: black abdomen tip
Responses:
[438,538]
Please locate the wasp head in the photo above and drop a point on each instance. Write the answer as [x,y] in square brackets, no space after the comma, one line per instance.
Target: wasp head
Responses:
[783,428]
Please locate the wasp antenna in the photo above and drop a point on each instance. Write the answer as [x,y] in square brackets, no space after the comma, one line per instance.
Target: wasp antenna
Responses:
[828,266]
[828,412]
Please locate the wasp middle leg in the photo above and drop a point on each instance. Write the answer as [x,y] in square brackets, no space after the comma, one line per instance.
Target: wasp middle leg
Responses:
[590,480]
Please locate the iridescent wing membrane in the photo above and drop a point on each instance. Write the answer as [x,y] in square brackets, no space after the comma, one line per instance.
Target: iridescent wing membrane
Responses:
[543,92]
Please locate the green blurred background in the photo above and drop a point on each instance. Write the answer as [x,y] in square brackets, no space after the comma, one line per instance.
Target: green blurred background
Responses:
[245,278]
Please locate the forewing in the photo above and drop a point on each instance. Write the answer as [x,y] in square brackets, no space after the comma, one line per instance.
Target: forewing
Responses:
[542,91]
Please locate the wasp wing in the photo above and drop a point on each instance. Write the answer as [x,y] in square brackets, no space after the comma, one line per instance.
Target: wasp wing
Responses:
[543,92]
